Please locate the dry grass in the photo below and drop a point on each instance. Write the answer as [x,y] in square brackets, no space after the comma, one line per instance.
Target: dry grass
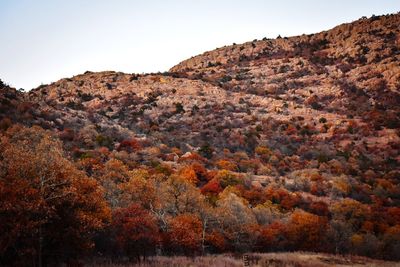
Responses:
[296,259]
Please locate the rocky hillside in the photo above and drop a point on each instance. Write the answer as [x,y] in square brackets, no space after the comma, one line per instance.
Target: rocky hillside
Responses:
[293,121]
[337,89]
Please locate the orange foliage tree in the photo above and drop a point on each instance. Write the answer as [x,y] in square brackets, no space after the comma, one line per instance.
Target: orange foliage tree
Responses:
[189,174]
[305,231]
[136,231]
[185,234]
[49,209]
[226,165]
[272,237]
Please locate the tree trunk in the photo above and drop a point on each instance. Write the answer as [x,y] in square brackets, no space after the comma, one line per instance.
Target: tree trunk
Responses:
[40,260]
[203,237]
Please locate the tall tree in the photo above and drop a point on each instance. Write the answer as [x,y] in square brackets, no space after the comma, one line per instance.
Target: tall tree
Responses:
[55,207]
[136,231]
[185,234]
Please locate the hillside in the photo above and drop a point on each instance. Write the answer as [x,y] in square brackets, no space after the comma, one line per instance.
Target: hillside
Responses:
[267,144]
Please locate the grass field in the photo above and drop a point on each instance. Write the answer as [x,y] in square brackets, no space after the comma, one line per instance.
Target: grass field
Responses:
[296,259]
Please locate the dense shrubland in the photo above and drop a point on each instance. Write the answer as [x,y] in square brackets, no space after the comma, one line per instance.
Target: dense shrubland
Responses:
[119,205]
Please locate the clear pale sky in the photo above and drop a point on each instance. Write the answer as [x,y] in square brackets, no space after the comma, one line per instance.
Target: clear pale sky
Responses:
[43,41]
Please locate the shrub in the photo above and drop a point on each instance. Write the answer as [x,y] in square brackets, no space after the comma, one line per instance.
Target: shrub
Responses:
[75,105]
[227,178]
[109,86]
[322,120]
[316,105]
[129,145]
[212,187]
[105,141]
[283,69]
[225,79]
[227,165]
[86,97]
[263,151]
[179,108]
[5,123]
[206,151]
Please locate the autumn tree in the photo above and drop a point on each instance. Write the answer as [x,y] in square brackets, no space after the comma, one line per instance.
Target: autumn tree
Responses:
[352,212]
[189,174]
[114,173]
[366,244]
[263,152]
[180,196]
[272,237]
[139,189]
[267,213]
[305,231]
[391,241]
[236,217]
[136,231]
[339,234]
[49,209]
[185,233]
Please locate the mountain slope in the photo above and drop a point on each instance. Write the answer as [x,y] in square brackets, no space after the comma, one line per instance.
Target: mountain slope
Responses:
[242,95]
[238,96]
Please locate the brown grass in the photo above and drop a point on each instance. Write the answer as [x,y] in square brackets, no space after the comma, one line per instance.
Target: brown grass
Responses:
[296,259]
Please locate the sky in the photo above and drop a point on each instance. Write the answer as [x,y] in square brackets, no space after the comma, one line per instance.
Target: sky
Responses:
[43,41]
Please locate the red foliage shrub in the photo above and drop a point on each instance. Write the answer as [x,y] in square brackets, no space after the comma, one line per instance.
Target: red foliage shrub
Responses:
[255,196]
[212,187]
[129,145]
[319,208]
